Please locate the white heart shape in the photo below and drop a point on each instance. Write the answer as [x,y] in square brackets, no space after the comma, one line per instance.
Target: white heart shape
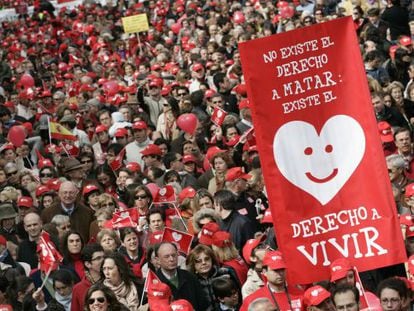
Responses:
[176,236]
[319,164]
[315,292]
[412,261]
[163,191]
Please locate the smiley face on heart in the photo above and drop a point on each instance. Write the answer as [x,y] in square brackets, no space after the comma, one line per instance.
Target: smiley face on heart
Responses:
[319,164]
[176,236]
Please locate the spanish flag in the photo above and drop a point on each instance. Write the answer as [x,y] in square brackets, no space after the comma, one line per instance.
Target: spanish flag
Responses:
[58,131]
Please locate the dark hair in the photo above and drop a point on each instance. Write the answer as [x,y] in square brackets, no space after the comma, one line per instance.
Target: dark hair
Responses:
[66,255]
[218,78]
[340,289]
[157,210]
[88,251]
[125,272]
[223,287]
[168,158]
[123,232]
[18,284]
[132,194]
[64,276]
[170,174]
[115,147]
[156,171]
[393,283]
[4,284]
[196,251]
[105,169]
[160,140]
[113,303]
[225,199]
[400,130]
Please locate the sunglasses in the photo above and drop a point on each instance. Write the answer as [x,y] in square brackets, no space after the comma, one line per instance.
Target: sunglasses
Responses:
[181,94]
[93,300]
[86,161]
[46,175]
[140,197]
[11,174]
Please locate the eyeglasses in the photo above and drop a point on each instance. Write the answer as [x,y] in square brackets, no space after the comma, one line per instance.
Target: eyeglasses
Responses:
[97,258]
[181,94]
[11,174]
[108,204]
[91,301]
[393,301]
[46,175]
[217,102]
[140,197]
[86,161]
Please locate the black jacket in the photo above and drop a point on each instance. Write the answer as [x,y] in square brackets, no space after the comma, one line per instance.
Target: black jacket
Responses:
[240,228]
[189,288]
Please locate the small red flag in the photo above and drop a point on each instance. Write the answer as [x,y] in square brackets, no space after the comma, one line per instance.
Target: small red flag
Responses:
[117,163]
[218,116]
[49,257]
[123,219]
[152,278]
[181,239]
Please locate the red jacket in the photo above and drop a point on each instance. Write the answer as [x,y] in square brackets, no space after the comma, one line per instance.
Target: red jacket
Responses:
[281,299]
[240,267]
[79,294]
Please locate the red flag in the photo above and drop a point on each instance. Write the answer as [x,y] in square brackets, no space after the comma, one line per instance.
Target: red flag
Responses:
[218,116]
[181,239]
[318,142]
[123,219]
[49,257]
[71,149]
[152,278]
[165,194]
[117,163]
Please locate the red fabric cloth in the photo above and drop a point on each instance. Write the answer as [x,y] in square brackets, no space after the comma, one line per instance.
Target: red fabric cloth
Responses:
[78,265]
[79,294]
[240,267]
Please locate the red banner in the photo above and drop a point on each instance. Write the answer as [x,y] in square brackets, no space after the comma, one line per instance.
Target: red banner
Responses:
[181,239]
[320,152]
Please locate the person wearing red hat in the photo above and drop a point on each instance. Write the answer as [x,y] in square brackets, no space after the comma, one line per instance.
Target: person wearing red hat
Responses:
[154,102]
[253,253]
[385,113]
[103,142]
[342,272]
[90,194]
[197,77]
[133,149]
[246,122]
[152,157]
[317,298]
[275,289]
[121,136]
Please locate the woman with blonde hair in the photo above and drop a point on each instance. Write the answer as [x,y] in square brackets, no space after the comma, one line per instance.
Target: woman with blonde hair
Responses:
[220,162]
[109,240]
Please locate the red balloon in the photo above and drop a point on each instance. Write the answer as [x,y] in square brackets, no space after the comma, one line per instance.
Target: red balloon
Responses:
[176,28]
[111,88]
[282,4]
[187,122]
[17,135]
[238,17]
[286,12]
[27,80]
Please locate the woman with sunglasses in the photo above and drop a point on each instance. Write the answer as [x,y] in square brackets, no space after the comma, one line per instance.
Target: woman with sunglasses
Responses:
[119,278]
[88,161]
[101,298]
[47,173]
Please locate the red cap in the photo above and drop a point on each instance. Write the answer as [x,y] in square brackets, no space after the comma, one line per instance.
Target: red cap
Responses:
[3,240]
[240,89]
[188,192]
[189,158]
[274,260]
[139,125]
[405,41]
[151,149]
[267,217]
[207,232]
[25,202]
[409,232]
[409,190]
[236,173]
[315,295]
[133,167]
[156,82]
[197,67]
[212,151]
[44,163]
[250,246]
[89,188]
[209,94]
[54,184]
[384,129]
[42,189]
[221,239]
[101,128]
[244,103]
[181,305]
[8,146]
[339,268]
[121,132]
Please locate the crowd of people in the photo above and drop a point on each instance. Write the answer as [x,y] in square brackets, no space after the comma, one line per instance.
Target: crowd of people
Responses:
[95,123]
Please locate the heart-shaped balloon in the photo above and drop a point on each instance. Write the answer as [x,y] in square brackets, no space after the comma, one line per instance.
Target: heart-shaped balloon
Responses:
[187,122]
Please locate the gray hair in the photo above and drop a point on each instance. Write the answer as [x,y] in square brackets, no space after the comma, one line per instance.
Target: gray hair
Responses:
[204,213]
[396,160]
[260,304]
[58,220]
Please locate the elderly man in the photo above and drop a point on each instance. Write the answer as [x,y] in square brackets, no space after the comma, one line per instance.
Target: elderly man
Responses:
[396,171]
[183,284]
[80,216]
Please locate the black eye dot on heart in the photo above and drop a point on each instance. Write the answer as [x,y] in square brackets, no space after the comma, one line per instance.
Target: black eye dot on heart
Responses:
[308,151]
[328,148]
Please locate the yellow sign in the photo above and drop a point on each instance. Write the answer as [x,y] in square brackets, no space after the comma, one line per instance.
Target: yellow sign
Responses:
[135,23]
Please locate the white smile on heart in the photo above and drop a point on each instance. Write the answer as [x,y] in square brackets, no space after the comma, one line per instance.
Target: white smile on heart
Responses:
[319,164]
